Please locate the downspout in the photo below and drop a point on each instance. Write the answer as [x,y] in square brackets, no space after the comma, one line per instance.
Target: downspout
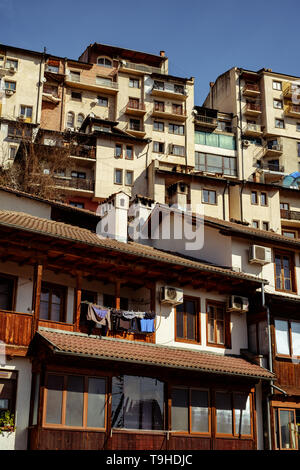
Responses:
[39,86]
[270,364]
[241,200]
[240,126]
[223,197]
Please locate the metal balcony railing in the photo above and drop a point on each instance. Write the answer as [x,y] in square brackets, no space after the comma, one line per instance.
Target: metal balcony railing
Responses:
[251,86]
[253,107]
[206,120]
[170,88]
[272,167]
[83,151]
[253,127]
[291,215]
[141,67]
[136,105]
[76,183]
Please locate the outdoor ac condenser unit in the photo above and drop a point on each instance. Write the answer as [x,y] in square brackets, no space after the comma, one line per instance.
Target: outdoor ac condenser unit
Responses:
[260,254]
[171,295]
[237,303]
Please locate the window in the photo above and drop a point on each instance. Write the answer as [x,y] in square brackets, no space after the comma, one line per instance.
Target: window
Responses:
[18,131]
[279,123]
[209,196]
[52,66]
[215,164]
[284,206]
[277,104]
[255,223]
[26,111]
[80,119]
[129,152]
[258,337]
[298,149]
[129,178]
[75,401]
[290,233]
[277,85]
[177,109]
[118,177]
[298,127]
[75,95]
[215,140]
[8,388]
[158,85]
[263,199]
[74,76]
[287,428]
[53,302]
[158,126]
[134,103]
[107,82]
[187,321]
[134,83]
[104,61]
[135,125]
[179,89]
[287,335]
[7,292]
[119,151]
[78,174]
[159,106]
[102,101]
[137,403]
[233,414]
[265,226]
[254,197]
[218,324]
[12,152]
[284,267]
[11,64]
[177,150]
[176,129]
[70,119]
[159,147]
[11,86]
[80,205]
[190,410]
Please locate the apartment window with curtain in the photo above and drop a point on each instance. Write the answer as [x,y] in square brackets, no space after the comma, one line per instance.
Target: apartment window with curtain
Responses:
[277,85]
[74,76]
[158,126]
[287,336]
[191,411]
[53,302]
[176,129]
[284,272]
[215,164]
[118,176]
[187,321]
[233,414]
[217,325]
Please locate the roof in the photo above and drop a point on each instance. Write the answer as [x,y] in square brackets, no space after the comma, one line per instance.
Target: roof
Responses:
[33,224]
[78,344]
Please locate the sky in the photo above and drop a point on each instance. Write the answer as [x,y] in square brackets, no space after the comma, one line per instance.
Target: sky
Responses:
[202,39]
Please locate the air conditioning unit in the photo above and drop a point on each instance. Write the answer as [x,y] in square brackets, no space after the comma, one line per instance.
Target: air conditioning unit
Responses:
[236,303]
[260,254]
[171,295]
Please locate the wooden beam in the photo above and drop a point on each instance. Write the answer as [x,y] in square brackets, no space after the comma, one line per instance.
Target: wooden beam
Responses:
[36,295]
[117,294]
[78,299]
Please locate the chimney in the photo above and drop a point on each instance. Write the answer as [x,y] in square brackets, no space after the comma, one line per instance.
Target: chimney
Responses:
[178,195]
[114,215]
[162,53]
[139,211]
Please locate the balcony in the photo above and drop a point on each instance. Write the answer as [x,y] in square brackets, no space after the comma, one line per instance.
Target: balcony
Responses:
[290,215]
[292,110]
[169,112]
[251,89]
[252,130]
[50,93]
[97,84]
[139,69]
[273,149]
[206,122]
[83,152]
[169,90]
[290,89]
[252,109]
[271,168]
[135,108]
[138,130]
[80,184]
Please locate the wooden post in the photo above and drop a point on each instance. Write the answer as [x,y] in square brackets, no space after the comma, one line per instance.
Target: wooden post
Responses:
[36,295]
[78,300]
[117,294]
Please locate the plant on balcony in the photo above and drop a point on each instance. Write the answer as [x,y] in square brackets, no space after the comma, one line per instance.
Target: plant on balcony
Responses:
[7,422]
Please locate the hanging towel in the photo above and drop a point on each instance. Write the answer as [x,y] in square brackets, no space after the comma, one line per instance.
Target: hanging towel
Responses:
[147,325]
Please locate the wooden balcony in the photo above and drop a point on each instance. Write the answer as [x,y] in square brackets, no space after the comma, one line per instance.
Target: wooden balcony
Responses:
[252,130]
[251,89]
[252,109]
[206,122]
[135,108]
[292,110]
[16,328]
[290,215]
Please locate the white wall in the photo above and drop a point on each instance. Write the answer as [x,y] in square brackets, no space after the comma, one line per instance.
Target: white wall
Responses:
[11,202]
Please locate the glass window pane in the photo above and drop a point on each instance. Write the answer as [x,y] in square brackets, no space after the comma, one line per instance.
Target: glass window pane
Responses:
[224,413]
[287,429]
[54,399]
[96,403]
[282,337]
[200,137]
[263,338]
[252,338]
[190,308]
[179,321]
[295,327]
[242,414]
[74,406]
[36,399]
[180,410]
[199,404]
[212,140]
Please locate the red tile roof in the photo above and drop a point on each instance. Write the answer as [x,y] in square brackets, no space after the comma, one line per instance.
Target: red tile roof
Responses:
[151,354]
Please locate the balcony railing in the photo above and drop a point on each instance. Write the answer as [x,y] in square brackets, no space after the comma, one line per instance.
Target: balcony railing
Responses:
[294,108]
[76,183]
[83,151]
[170,88]
[291,215]
[253,107]
[136,127]
[272,167]
[50,90]
[211,121]
[252,87]
[141,67]
[91,82]
[136,105]
[253,128]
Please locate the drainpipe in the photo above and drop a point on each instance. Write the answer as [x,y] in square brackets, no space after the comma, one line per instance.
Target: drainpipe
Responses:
[240,126]
[39,86]
[241,200]
[223,197]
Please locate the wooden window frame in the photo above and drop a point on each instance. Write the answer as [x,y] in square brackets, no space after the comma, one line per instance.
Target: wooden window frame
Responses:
[234,434]
[132,149]
[115,170]
[197,300]
[158,130]
[14,377]
[209,191]
[227,329]
[190,432]
[277,411]
[115,153]
[266,199]
[105,98]
[291,255]
[132,173]
[62,425]
[290,344]
[179,126]
[14,280]
[159,106]
[256,198]
[132,79]
[288,230]
[63,305]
